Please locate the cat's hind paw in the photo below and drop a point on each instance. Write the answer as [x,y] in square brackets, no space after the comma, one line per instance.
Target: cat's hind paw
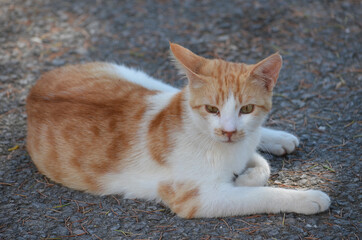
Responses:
[277,142]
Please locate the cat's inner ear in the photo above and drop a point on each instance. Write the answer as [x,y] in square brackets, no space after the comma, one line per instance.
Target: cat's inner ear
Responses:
[266,72]
[190,64]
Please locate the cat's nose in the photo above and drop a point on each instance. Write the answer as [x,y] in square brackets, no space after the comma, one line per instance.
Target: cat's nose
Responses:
[228,134]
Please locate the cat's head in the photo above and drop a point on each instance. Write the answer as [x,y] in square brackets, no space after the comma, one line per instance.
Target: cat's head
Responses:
[228,100]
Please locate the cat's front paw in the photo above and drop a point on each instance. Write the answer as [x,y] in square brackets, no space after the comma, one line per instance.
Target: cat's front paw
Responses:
[312,201]
[256,176]
[277,142]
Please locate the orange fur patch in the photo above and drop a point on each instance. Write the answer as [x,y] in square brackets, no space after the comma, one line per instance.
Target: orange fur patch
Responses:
[91,116]
[182,198]
[161,127]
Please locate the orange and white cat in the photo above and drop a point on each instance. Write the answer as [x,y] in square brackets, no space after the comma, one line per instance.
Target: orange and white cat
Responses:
[108,129]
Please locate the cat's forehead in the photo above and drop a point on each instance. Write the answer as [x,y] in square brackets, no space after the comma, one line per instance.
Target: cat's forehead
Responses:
[223,69]
[229,80]
[239,95]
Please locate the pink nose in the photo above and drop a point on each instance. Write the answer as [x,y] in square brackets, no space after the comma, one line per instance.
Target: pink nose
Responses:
[228,134]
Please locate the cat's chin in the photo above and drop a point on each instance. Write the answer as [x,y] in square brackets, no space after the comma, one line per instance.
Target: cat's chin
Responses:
[229,141]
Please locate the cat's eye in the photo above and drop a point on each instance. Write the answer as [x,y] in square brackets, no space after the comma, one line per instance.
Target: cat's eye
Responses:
[247,109]
[212,109]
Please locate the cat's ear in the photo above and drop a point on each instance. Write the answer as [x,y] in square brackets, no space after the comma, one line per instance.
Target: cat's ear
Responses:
[189,64]
[266,72]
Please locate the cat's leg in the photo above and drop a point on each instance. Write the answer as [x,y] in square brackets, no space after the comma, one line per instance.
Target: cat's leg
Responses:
[217,200]
[257,172]
[228,201]
[277,142]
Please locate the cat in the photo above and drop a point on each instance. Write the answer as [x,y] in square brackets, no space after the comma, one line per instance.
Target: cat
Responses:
[108,129]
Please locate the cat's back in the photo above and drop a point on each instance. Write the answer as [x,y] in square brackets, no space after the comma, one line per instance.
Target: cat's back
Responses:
[81,121]
[86,91]
[90,82]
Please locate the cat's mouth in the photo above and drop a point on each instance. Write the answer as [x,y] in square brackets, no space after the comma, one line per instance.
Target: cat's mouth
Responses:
[228,140]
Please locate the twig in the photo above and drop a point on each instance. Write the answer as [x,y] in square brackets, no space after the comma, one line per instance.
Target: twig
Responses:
[50,217]
[226,223]
[349,124]
[42,194]
[76,202]
[253,216]
[318,117]
[157,210]
[97,237]
[340,145]
[6,184]
[21,184]
[60,206]
[21,195]
[241,220]
[119,203]
[114,212]
[85,230]
[311,152]
[80,201]
[126,234]
[68,225]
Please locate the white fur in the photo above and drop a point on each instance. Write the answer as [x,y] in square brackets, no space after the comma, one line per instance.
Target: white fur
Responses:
[142,79]
[278,142]
[256,174]
[211,164]
[229,119]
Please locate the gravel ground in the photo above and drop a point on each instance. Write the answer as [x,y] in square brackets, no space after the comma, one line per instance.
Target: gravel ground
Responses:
[318,97]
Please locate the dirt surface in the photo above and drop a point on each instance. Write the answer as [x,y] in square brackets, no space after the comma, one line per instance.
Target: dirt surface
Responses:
[318,97]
